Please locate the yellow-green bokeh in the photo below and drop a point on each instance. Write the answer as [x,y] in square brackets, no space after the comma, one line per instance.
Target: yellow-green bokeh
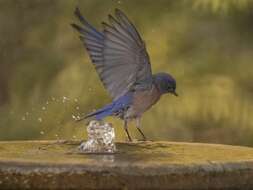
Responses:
[46,75]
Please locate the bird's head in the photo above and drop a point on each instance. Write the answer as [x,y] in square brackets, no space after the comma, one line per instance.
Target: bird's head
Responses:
[165,83]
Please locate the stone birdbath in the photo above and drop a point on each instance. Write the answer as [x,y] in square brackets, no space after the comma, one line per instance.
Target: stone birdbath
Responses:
[138,165]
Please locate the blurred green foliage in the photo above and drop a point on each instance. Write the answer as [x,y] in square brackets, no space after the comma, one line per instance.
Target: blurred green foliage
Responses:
[46,77]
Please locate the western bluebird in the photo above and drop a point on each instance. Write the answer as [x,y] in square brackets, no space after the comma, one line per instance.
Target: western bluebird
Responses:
[122,63]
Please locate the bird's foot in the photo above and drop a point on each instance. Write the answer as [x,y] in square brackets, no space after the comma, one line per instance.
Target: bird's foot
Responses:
[142,140]
[129,139]
[145,140]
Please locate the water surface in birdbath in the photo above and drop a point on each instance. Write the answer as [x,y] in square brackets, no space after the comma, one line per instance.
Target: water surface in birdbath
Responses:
[100,138]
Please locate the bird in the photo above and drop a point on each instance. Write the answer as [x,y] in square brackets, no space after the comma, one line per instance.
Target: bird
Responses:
[122,62]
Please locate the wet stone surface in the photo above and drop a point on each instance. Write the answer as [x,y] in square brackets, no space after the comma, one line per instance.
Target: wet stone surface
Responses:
[139,165]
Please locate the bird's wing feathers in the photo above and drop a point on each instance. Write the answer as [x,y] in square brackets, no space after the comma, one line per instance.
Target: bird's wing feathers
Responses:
[118,53]
[93,40]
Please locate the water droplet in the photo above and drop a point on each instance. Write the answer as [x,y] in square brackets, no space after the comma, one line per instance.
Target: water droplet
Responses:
[43,108]
[77,107]
[74,117]
[119,2]
[74,137]
[53,98]
[47,102]
[64,99]
[23,118]
[27,113]
[76,100]
[40,119]
[42,132]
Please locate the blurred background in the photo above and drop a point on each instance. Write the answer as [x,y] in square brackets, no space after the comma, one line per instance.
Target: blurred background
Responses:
[47,79]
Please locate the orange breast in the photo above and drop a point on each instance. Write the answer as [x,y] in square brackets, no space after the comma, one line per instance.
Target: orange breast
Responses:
[143,100]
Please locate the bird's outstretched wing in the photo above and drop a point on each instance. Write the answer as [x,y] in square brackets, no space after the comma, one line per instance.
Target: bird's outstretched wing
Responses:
[118,53]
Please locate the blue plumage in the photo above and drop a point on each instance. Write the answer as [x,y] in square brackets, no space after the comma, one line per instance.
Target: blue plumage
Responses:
[123,65]
[117,107]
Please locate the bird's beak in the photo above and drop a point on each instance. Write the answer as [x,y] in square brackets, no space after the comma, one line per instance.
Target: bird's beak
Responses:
[174,93]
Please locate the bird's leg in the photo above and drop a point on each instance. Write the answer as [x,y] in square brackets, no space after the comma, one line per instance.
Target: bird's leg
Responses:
[125,127]
[138,126]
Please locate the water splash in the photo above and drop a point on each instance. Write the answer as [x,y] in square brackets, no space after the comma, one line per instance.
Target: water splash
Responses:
[100,138]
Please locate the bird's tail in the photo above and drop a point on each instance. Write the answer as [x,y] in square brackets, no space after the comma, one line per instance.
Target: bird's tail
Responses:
[116,106]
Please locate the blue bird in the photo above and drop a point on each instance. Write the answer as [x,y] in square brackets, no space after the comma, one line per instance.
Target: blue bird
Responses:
[122,63]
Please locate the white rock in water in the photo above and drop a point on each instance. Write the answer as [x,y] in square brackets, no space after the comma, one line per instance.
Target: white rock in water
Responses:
[100,138]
